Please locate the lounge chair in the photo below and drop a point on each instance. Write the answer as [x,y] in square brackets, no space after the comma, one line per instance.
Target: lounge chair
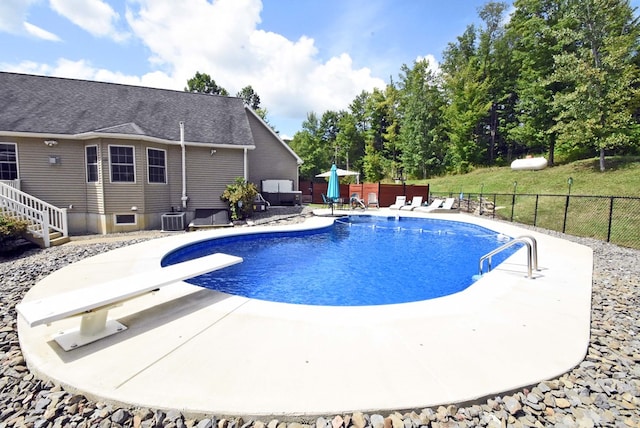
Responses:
[335,203]
[325,201]
[415,203]
[356,202]
[435,204]
[400,202]
[210,217]
[448,203]
[372,199]
[445,207]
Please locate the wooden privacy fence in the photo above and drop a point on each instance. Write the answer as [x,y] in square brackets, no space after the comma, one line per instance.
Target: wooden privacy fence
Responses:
[386,193]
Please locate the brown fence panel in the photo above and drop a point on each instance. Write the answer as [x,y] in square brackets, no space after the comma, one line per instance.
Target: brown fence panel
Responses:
[316,190]
[364,189]
[388,192]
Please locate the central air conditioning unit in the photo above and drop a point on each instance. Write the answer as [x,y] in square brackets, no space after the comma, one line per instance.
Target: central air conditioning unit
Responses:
[173,222]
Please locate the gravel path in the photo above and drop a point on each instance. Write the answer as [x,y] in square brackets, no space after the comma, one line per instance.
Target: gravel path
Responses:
[604,390]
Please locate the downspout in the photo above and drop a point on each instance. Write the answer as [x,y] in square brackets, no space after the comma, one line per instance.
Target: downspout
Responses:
[246,165]
[184,198]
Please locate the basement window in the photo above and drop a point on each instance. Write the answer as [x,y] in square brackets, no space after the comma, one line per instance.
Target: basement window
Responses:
[122,219]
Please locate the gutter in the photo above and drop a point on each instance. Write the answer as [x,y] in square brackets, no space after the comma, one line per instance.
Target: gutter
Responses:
[91,135]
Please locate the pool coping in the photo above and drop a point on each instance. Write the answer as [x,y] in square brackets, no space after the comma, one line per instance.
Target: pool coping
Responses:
[204,352]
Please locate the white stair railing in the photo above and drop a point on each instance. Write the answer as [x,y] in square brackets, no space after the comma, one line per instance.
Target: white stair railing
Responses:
[12,183]
[41,216]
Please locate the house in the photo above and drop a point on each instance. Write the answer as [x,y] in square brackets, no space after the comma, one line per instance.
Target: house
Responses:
[104,157]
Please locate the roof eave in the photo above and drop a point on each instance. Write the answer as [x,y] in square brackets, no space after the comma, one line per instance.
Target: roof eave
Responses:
[91,135]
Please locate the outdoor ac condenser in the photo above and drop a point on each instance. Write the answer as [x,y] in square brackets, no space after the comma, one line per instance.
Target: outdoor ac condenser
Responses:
[172,222]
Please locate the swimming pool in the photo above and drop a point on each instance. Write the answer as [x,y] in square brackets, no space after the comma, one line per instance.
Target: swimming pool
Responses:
[259,354]
[359,261]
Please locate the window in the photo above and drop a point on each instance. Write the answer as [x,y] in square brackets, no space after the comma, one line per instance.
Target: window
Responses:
[92,163]
[122,166]
[125,219]
[156,159]
[8,162]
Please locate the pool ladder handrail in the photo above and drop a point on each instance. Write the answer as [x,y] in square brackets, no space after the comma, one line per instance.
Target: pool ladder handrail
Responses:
[532,253]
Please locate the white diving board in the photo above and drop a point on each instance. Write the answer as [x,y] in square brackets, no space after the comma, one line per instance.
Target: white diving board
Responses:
[93,302]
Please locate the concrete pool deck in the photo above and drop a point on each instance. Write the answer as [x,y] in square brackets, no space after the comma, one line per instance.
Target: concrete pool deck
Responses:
[205,352]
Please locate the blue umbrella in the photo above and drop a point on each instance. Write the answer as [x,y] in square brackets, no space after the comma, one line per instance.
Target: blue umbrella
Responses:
[333,192]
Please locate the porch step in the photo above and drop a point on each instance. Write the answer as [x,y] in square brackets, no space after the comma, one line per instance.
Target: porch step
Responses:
[55,239]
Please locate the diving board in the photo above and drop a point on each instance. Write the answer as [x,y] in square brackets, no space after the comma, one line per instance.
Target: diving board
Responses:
[93,303]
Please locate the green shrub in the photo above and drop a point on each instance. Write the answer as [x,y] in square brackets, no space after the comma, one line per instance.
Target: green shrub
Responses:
[240,196]
[11,229]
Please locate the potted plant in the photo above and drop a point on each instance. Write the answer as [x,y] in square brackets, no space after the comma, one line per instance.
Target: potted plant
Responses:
[240,196]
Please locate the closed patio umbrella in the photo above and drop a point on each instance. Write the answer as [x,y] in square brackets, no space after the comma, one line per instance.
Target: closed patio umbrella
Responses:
[333,192]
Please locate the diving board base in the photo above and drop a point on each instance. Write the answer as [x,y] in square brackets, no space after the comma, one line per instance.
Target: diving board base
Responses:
[75,338]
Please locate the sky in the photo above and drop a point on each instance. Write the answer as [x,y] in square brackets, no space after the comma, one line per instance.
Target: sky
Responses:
[299,56]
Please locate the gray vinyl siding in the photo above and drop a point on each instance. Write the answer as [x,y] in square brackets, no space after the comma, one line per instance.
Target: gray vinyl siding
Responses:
[174,176]
[208,175]
[270,160]
[59,184]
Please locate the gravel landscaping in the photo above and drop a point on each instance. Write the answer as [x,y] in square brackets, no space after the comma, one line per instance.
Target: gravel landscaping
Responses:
[604,390]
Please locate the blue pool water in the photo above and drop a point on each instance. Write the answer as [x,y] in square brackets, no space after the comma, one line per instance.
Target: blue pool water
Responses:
[360,260]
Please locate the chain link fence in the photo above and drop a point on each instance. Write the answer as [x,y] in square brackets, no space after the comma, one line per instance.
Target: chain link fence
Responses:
[614,219]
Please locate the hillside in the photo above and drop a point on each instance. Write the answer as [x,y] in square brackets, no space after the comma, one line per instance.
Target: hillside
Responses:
[622,178]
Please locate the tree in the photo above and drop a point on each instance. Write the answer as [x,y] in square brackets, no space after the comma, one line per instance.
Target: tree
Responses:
[421,137]
[372,163]
[203,83]
[468,102]
[349,140]
[376,118]
[308,144]
[250,97]
[386,122]
[598,67]
[535,44]
[329,130]
[494,52]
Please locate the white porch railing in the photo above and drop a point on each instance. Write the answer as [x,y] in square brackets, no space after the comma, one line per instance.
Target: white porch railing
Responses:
[41,216]
[13,183]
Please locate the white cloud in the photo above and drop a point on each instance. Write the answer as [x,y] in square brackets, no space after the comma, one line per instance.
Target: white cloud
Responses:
[222,39]
[94,16]
[13,20]
[434,65]
[40,33]
[83,69]
[12,14]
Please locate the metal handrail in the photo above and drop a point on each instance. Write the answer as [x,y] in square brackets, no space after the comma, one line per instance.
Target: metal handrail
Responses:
[532,253]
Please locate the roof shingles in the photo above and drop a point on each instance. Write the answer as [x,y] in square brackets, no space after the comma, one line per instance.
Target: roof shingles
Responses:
[40,104]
